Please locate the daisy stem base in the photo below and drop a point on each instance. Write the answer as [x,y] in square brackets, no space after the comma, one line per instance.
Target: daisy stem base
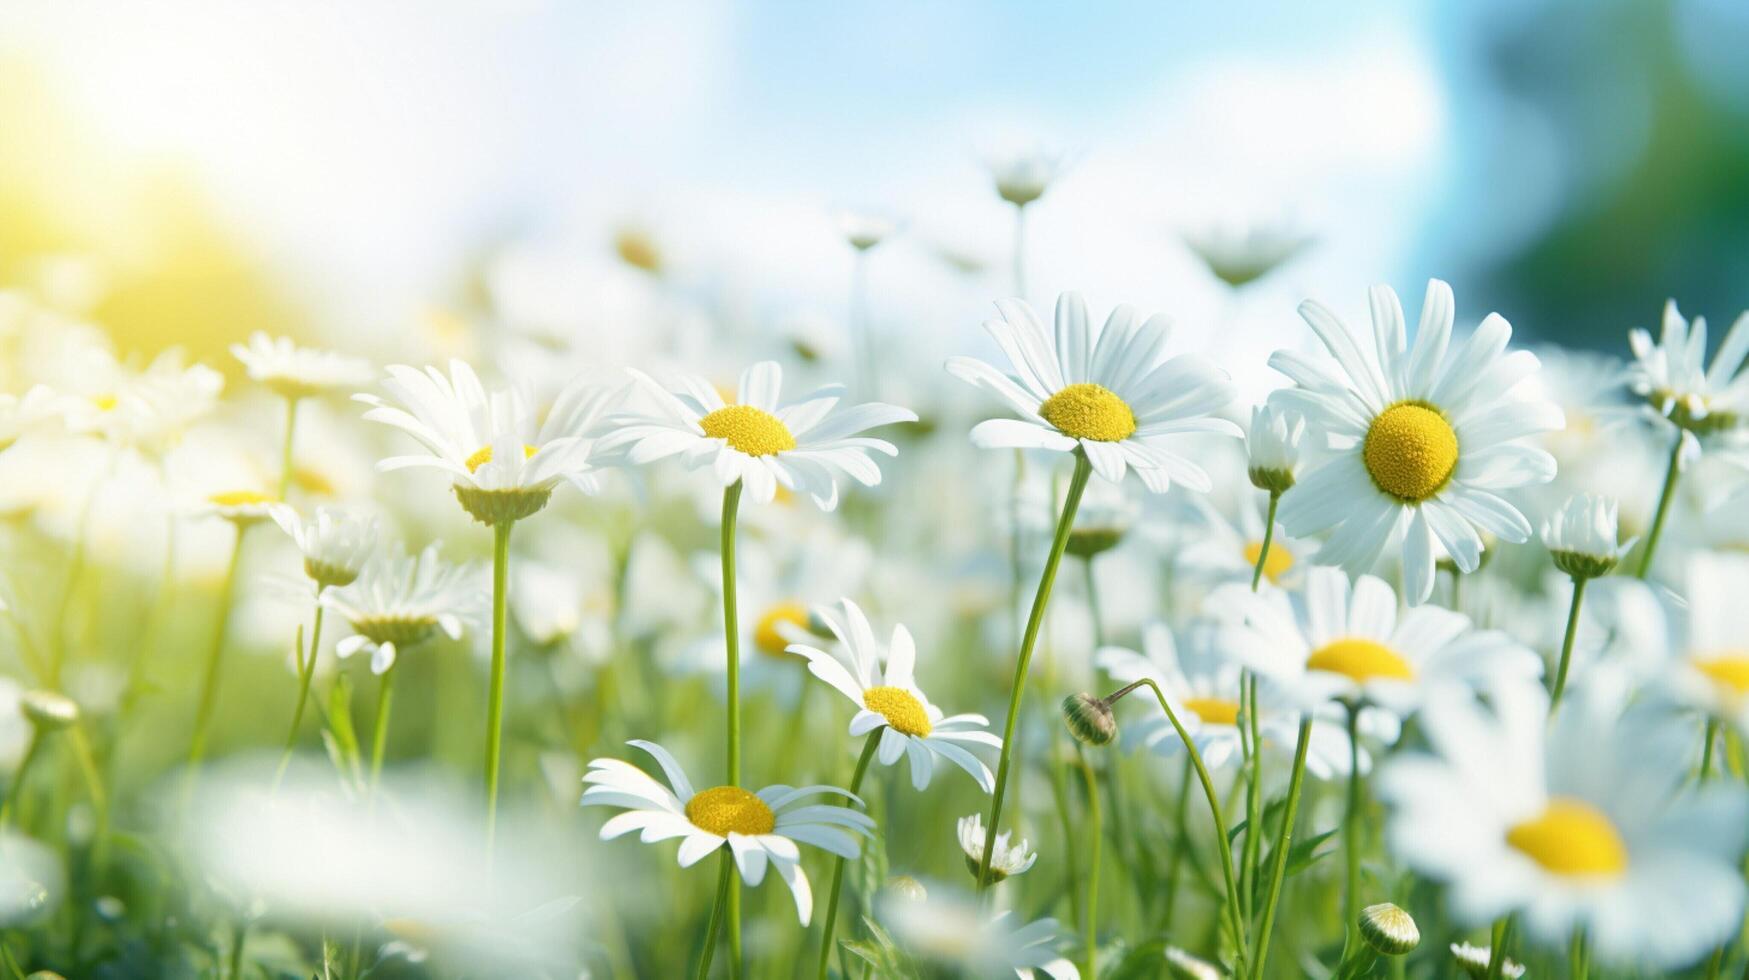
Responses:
[1283,840]
[826,937]
[495,696]
[1663,512]
[1567,642]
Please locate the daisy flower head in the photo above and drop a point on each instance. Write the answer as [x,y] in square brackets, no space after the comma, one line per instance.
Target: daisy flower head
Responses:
[1022,178]
[761,829]
[1219,550]
[1239,256]
[335,543]
[1337,641]
[882,684]
[1102,393]
[865,229]
[758,440]
[1680,389]
[1272,447]
[296,372]
[241,507]
[1713,674]
[1581,536]
[1009,859]
[503,461]
[1421,440]
[953,929]
[400,601]
[1581,823]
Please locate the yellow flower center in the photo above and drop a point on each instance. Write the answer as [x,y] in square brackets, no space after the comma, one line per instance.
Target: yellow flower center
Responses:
[1571,838]
[748,430]
[767,633]
[722,810]
[1276,565]
[1214,711]
[1729,671]
[239,498]
[1360,660]
[1410,451]
[903,712]
[483,455]
[1089,411]
[104,403]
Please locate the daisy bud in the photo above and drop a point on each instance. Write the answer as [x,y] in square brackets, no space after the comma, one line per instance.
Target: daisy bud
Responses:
[1581,536]
[1473,960]
[1187,967]
[1090,719]
[1388,929]
[1273,445]
[49,711]
[906,888]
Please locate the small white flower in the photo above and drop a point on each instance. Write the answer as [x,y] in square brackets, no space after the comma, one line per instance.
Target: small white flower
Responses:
[864,230]
[760,828]
[1238,256]
[953,929]
[1581,536]
[1008,860]
[335,544]
[1673,377]
[889,699]
[237,506]
[1713,674]
[399,601]
[298,372]
[1022,178]
[1473,960]
[1273,447]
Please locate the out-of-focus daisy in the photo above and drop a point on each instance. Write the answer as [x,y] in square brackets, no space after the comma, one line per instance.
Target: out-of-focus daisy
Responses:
[1581,536]
[1009,859]
[1714,671]
[1107,394]
[295,372]
[1473,960]
[240,507]
[1022,178]
[1578,824]
[888,698]
[503,463]
[400,600]
[1422,440]
[864,230]
[1680,388]
[147,410]
[950,928]
[1239,256]
[761,829]
[335,543]
[801,446]
[20,414]
[1332,642]
[1218,550]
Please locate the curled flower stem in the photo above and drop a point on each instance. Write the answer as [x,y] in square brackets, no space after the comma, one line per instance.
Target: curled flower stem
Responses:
[1278,862]
[1664,498]
[1066,521]
[1567,642]
[495,695]
[868,752]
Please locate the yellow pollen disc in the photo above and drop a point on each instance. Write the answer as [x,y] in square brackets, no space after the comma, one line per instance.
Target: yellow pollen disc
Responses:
[1571,838]
[1360,660]
[1279,561]
[1410,451]
[748,430]
[1089,411]
[1214,711]
[104,403]
[239,498]
[484,455]
[1729,671]
[767,634]
[903,712]
[725,809]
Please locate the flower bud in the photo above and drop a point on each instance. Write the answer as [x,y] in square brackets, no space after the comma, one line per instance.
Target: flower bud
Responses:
[49,711]
[1388,929]
[1089,718]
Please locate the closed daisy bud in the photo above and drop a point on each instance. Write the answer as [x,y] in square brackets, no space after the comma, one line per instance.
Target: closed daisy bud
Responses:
[1473,960]
[1273,445]
[49,711]
[1187,967]
[1581,536]
[1389,929]
[1089,718]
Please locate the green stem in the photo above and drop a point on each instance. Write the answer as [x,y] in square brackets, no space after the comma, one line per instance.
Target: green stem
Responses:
[1502,935]
[1706,750]
[1664,498]
[495,696]
[380,729]
[1034,620]
[14,791]
[240,935]
[285,454]
[1283,840]
[732,646]
[1090,927]
[1579,956]
[868,752]
[724,876]
[1252,855]
[1351,835]
[1268,538]
[1181,824]
[306,671]
[209,690]
[1567,642]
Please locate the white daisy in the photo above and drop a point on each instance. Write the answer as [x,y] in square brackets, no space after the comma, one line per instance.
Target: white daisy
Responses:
[1108,396]
[865,229]
[1335,643]
[802,446]
[335,544]
[1581,536]
[1713,674]
[298,372]
[1217,550]
[503,463]
[146,410]
[760,828]
[1578,824]
[1473,960]
[1680,389]
[953,929]
[888,699]
[1422,439]
[1241,255]
[400,600]
[237,506]
[1272,447]
[1022,178]
[1009,859]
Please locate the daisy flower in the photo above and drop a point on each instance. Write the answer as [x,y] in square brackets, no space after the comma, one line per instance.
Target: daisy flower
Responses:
[888,699]
[240,507]
[1022,178]
[1009,860]
[1582,536]
[504,464]
[761,829]
[1220,550]
[335,544]
[1576,824]
[1105,394]
[1421,440]
[1681,391]
[1713,675]
[296,372]
[757,440]
[1240,256]
[1337,643]
[400,600]
[953,929]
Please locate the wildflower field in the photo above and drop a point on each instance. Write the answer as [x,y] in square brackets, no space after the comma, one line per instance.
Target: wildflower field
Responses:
[608,617]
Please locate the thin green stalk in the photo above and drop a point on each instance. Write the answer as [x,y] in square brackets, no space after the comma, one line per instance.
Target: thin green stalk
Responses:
[732,644]
[1252,855]
[1268,538]
[1579,956]
[724,876]
[1181,825]
[380,729]
[495,696]
[1091,908]
[1706,750]
[1283,840]
[1502,935]
[14,791]
[868,753]
[1351,835]
[209,690]
[1035,619]
[306,671]
[240,935]
[1060,797]
[1014,543]
[1664,497]
[1567,642]
[285,455]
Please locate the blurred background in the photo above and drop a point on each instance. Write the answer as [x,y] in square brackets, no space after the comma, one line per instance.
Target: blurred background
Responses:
[192,171]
